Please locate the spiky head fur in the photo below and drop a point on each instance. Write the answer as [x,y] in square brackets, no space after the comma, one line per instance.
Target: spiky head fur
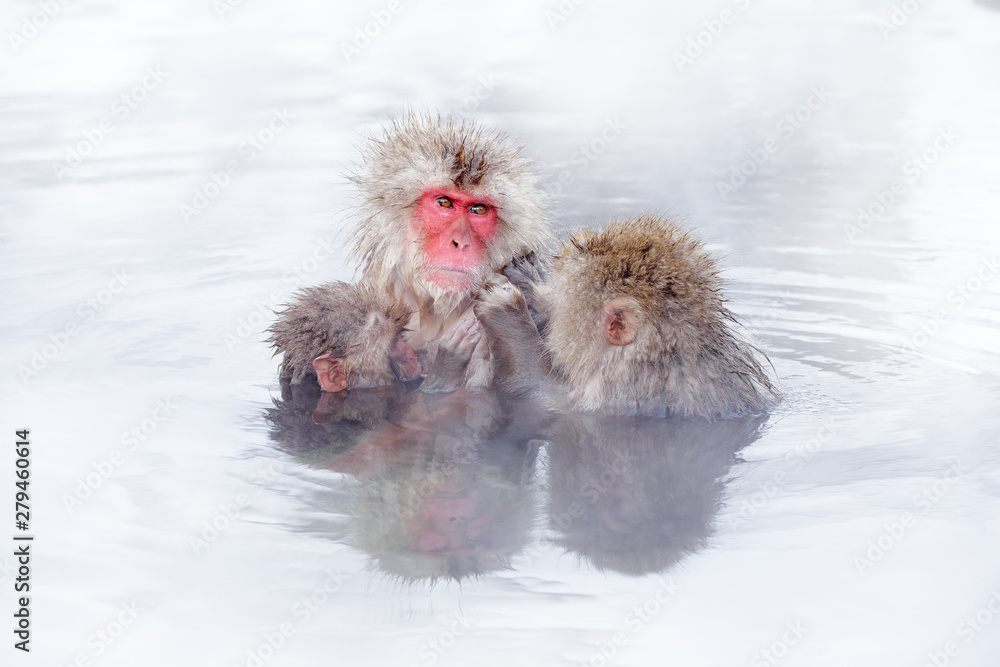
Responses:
[357,323]
[686,357]
[420,151]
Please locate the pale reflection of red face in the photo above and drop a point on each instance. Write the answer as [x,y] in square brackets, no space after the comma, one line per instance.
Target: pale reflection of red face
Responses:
[450,525]
[454,228]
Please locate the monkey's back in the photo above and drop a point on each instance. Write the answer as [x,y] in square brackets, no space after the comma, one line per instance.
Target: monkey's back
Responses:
[687,356]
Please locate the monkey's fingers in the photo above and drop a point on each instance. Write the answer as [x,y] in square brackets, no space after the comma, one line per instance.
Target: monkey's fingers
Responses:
[537,264]
[498,296]
[453,356]
[463,337]
[525,270]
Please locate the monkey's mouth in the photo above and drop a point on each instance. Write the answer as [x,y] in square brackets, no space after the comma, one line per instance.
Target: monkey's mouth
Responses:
[451,280]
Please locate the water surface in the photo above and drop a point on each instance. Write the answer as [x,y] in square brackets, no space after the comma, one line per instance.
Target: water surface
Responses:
[170,174]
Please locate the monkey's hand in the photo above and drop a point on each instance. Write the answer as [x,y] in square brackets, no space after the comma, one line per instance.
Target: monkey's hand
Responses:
[514,341]
[527,273]
[501,304]
[453,355]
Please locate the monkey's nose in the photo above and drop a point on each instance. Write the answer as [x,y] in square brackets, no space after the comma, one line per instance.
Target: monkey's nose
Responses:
[461,236]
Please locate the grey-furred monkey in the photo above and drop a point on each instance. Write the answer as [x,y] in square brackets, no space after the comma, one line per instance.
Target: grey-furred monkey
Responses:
[344,336]
[443,205]
[634,324]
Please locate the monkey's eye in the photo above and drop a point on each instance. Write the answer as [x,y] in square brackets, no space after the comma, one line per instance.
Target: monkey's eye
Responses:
[478,209]
[445,202]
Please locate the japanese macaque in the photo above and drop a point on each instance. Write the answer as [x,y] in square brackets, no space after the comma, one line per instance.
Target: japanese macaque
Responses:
[634,325]
[343,337]
[443,205]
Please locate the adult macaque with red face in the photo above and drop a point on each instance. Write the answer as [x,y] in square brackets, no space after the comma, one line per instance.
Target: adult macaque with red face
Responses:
[444,204]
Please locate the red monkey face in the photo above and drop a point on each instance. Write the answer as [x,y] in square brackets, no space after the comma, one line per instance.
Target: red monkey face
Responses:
[454,228]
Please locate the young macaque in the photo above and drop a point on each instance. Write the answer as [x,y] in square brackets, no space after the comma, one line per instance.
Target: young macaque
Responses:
[444,204]
[344,337]
[352,336]
[634,325]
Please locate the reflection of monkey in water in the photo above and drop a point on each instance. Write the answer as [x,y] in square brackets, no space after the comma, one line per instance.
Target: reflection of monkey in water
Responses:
[443,482]
[316,427]
[636,495]
[458,511]
[634,324]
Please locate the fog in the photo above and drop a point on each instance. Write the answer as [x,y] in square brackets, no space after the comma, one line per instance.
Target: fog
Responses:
[172,172]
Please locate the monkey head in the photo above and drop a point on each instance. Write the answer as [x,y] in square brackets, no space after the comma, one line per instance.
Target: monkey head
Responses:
[442,204]
[638,325]
[629,286]
[347,336]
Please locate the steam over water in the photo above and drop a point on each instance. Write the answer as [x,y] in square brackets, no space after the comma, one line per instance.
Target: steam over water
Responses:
[170,174]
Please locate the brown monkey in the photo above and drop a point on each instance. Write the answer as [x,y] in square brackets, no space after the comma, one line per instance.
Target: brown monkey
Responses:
[344,336]
[634,324]
[350,336]
[443,205]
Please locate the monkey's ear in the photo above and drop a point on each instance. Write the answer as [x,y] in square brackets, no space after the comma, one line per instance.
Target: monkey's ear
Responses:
[620,322]
[330,373]
[329,408]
